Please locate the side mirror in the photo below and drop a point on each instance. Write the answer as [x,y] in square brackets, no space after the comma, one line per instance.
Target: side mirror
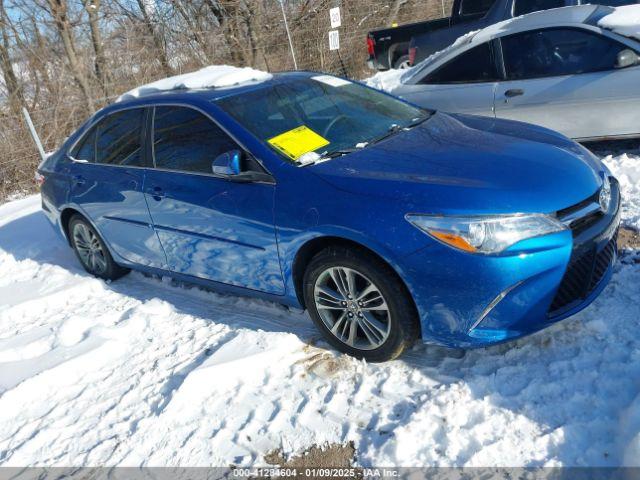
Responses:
[627,58]
[227,163]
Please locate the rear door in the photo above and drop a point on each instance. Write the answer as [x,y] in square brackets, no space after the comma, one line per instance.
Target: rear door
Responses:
[107,174]
[465,84]
[209,226]
[565,79]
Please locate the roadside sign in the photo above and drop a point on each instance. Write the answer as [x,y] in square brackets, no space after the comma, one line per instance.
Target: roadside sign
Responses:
[334,15]
[334,40]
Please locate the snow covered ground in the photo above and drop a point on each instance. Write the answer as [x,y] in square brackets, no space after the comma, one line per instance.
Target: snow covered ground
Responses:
[145,371]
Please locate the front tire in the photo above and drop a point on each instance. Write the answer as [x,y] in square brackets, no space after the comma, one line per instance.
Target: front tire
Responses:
[360,304]
[92,251]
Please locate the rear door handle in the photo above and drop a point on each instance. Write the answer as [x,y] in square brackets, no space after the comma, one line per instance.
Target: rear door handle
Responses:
[514,92]
[78,179]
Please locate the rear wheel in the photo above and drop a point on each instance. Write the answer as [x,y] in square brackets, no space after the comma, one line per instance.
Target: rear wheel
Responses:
[402,63]
[359,304]
[91,250]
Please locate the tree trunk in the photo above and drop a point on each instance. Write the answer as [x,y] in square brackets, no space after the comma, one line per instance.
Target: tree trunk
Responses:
[92,8]
[157,41]
[14,90]
[217,11]
[395,10]
[59,13]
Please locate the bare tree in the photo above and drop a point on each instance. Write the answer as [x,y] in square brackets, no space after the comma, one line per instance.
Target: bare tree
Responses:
[65,58]
[146,16]
[92,7]
[14,90]
[59,11]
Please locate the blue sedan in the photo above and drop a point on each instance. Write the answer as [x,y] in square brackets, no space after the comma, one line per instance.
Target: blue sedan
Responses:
[389,223]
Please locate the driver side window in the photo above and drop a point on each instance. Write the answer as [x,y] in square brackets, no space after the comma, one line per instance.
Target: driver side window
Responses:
[557,52]
[186,140]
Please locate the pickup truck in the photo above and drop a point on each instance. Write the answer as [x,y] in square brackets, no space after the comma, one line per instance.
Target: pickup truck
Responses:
[406,45]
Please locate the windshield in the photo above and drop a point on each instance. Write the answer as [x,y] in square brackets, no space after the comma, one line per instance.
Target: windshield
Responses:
[321,114]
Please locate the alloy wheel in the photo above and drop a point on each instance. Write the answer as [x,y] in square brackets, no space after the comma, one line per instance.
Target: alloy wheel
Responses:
[352,308]
[89,249]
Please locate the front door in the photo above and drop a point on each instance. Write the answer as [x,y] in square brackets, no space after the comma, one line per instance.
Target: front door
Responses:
[107,177]
[209,226]
[565,79]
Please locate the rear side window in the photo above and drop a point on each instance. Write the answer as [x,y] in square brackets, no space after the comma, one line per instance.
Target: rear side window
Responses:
[119,138]
[86,148]
[475,7]
[186,140]
[473,66]
[556,52]
[522,7]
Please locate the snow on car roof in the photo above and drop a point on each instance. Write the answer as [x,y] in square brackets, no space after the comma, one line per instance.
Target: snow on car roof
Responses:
[623,20]
[213,76]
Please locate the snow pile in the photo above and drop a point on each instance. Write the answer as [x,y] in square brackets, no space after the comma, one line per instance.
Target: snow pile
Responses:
[630,433]
[624,20]
[214,76]
[388,80]
[626,168]
[148,372]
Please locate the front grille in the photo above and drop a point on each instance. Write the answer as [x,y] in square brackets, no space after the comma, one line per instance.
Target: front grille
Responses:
[602,263]
[584,273]
[585,222]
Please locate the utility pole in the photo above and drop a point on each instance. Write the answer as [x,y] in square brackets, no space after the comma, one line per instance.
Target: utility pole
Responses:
[286,26]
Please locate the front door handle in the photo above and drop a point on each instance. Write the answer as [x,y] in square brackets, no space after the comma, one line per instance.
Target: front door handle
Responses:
[78,179]
[514,92]
[157,194]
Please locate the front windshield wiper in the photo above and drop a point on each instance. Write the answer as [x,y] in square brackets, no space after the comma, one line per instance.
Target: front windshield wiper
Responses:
[340,152]
[325,156]
[420,120]
[395,128]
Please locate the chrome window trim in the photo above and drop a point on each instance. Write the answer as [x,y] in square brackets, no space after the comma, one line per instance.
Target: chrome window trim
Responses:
[585,211]
[152,107]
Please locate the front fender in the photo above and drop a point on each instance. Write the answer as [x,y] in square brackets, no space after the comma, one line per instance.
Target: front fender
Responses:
[292,246]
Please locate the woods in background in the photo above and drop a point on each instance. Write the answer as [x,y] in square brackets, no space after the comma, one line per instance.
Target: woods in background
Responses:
[64,59]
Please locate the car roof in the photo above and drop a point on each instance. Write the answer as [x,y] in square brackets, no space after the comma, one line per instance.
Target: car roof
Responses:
[563,16]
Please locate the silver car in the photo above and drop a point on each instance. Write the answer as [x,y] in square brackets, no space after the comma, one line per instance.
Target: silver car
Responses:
[555,68]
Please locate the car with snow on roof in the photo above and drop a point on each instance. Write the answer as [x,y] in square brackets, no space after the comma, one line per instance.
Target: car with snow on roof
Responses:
[389,223]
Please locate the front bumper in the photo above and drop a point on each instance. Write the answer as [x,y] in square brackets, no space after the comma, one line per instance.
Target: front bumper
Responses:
[467,300]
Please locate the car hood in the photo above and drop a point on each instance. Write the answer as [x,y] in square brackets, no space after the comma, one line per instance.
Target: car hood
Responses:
[468,164]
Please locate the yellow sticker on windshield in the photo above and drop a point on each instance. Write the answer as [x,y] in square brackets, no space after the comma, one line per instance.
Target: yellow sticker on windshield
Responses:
[298,141]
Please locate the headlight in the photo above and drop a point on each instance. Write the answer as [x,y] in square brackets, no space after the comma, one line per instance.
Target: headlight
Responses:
[491,234]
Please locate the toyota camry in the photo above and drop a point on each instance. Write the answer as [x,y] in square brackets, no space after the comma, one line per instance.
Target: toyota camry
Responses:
[389,223]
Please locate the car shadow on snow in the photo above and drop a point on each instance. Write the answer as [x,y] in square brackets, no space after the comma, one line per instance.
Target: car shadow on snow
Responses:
[564,392]
[18,239]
